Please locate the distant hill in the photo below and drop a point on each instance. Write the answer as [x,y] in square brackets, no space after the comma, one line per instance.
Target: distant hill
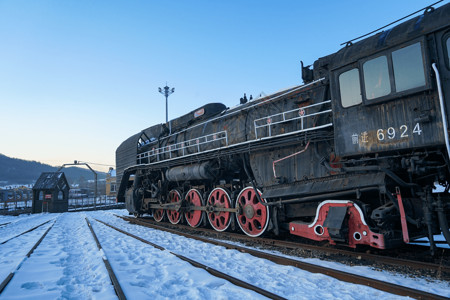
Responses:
[18,171]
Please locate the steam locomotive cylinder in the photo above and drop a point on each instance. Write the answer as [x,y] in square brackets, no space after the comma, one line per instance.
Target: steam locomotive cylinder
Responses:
[203,171]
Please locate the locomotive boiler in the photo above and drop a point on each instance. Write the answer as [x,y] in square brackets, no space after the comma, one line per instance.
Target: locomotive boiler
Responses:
[353,156]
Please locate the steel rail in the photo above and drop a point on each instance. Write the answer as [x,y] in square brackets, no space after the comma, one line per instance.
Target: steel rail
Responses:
[5,224]
[11,275]
[387,260]
[29,230]
[340,275]
[115,282]
[210,270]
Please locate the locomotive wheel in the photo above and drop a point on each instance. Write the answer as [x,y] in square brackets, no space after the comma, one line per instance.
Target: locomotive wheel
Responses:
[173,215]
[253,218]
[158,214]
[195,217]
[219,220]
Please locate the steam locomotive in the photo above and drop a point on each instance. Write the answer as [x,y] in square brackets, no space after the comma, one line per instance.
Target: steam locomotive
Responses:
[353,156]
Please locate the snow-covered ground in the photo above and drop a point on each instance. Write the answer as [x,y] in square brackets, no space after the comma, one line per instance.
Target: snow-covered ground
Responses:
[68,265]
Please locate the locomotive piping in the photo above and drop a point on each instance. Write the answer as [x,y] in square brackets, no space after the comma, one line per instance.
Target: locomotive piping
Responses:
[441,102]
[252,181]
[291,155]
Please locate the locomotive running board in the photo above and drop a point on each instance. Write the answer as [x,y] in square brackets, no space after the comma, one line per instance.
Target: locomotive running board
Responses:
[339,221]
[331,185]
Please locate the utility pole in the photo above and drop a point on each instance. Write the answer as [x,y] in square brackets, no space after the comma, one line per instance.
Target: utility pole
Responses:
[166,92]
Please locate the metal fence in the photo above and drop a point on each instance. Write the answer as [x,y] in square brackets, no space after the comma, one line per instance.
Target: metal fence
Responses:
[18,206]
[84,203]
[15,206]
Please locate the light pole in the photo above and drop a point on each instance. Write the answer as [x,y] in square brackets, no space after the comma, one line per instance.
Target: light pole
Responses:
[166,92]
[75,163]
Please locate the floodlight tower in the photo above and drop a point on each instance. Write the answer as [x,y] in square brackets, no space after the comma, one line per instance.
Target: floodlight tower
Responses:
[166,92]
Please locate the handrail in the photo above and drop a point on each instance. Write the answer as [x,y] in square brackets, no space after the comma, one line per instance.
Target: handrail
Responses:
[297,114]
[196,143]
[270,97]
[184,145]
[441,102]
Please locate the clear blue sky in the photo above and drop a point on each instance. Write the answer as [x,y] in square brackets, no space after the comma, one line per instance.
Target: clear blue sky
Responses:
[78,77]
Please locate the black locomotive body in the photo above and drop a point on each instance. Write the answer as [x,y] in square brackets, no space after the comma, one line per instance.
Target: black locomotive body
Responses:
[350,157]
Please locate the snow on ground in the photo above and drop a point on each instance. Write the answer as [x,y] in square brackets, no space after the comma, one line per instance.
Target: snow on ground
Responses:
[21,224]
[146,272]
[12,252]
[68,265]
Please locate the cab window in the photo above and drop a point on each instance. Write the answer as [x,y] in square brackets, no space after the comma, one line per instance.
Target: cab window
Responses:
[350,88]
[385,76]
[408,68]
[376,78]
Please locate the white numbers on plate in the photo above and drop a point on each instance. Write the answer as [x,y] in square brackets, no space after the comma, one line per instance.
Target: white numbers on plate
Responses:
[390,133]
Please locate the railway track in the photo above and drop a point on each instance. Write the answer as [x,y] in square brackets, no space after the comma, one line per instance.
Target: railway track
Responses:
[5,281]
[194,263]
[27,231]
[343,276]
[430,267]
[112,276]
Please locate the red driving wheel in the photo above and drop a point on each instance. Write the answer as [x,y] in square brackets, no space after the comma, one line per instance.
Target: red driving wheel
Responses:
[158,214]
[194,217]
[253,217]
[219,220]
[173,215]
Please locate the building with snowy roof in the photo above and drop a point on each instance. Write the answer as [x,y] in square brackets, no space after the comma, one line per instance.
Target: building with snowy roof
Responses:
[111,183]
[51,193]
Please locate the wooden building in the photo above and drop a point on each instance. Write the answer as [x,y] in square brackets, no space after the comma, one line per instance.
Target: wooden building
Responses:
[51,193]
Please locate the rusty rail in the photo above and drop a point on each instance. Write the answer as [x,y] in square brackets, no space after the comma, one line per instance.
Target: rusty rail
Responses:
[117,288]
[212,271]
[387,260]
[29,230]
[11,275]
[340,275]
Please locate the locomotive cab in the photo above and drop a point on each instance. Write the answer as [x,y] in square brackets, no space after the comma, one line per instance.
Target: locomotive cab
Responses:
[390,117]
